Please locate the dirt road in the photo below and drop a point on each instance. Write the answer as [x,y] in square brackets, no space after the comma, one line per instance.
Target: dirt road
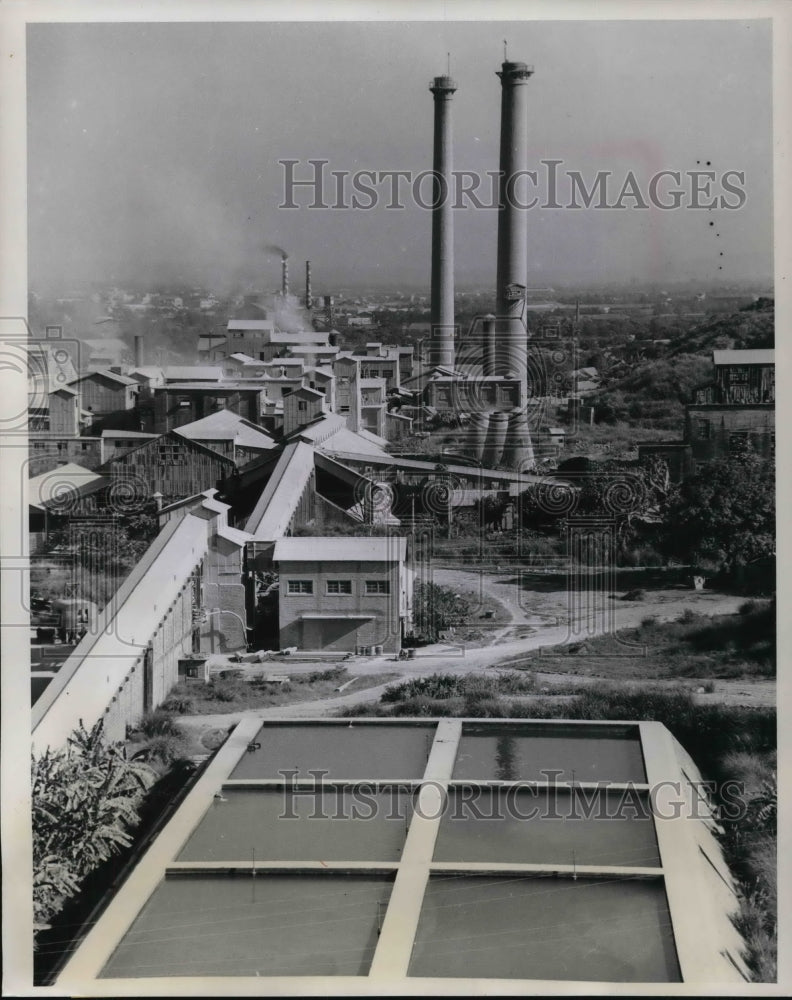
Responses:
[550,617]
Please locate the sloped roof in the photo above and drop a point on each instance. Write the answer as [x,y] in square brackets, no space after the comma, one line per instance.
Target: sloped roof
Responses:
[61,484]
[224,425]
[105,373]
[277,503]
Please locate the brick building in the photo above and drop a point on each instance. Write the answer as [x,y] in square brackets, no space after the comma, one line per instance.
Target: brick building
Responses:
[340,593]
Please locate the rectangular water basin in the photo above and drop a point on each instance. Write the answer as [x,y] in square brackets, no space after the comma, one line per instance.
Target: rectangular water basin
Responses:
[355,751]
[314,824]
[549,753]
[548,826]
[603,930]
[281,925]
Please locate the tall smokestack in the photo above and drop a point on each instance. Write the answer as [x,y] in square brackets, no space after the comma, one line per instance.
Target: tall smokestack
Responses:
[512,220]
[138,351]
[308,293]
[441,351]
[285,275]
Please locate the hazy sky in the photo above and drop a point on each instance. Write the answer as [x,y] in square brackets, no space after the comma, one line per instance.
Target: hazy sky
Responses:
[154,148]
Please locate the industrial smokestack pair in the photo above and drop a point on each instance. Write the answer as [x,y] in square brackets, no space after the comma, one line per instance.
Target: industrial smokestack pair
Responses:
[512,267]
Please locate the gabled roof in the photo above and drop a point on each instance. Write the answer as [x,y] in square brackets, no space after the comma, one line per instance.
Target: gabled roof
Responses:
[224,425]
[104,373]
[175,438]
[147,371]
[60,485]
[312,548]
[306,390]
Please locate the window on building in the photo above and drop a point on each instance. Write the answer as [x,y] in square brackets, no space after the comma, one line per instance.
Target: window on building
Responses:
[83,447]
[704,429]
[343,409]
[377,586]
[772,444]
[302,405]
[339,586]
[170,454]
[300,586]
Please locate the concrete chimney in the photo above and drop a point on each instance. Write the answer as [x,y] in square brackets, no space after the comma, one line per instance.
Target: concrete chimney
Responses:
[284,275]
[308,292]
[512,220]
[138,351]
[441,350]
[489,347]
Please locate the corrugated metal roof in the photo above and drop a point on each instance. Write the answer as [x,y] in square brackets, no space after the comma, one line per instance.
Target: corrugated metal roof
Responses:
[277,503]
[250,324]
[187,373]
[127,434]
[105,656]
[310,548]
[754,357]
[225,425]
[114,376]
[59,483]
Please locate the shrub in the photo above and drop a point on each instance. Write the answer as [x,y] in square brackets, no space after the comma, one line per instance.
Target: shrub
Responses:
[163,750]
[635,595]
[178,704]
[232,674]
[225,691]
[159,723]
[649,621]
[688,616]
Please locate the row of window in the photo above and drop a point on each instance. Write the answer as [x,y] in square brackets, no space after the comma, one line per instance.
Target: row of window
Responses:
[337,586]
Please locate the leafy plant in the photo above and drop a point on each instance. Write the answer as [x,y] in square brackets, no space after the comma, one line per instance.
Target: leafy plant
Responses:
[85,800]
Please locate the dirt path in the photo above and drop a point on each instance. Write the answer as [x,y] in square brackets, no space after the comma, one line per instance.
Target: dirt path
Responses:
[554,617]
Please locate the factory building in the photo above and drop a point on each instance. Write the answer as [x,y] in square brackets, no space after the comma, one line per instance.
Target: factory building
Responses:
[734,411]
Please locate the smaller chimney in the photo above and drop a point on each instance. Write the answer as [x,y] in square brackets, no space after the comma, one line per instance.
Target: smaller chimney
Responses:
[138,351]
[308,293]
[284,275]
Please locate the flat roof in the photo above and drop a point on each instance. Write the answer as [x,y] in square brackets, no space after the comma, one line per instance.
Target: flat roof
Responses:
[271,880]
[752,357]
[332,548]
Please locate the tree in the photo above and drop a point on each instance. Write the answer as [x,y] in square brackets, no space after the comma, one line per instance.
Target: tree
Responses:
[85,800]
[726,513]
[436,608]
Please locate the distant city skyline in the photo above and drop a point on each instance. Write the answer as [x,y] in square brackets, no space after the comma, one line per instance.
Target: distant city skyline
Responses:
[154,149]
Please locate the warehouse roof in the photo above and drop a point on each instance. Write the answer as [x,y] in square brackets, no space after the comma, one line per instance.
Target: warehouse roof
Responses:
[310,548]
[225,425]
[61,485]
[756,357]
